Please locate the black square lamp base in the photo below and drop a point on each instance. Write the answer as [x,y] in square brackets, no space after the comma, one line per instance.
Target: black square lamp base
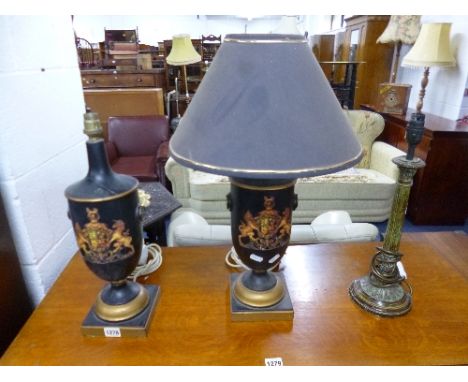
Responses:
[283,311]
[138,326]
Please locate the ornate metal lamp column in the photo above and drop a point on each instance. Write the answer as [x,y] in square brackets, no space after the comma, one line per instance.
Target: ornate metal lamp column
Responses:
[381,292]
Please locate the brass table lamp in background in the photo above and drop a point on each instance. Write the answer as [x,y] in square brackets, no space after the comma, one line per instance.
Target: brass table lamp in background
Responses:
[182,54]
[432,48]
[264,115]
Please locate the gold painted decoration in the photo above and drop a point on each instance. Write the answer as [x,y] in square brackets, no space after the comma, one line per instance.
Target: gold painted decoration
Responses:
[101,244]
[268,230]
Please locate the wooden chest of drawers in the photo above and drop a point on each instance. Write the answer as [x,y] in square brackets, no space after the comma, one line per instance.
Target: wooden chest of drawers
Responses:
[95,79]
[440,190]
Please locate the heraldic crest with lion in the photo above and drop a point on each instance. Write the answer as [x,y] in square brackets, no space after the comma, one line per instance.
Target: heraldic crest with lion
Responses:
[268,230]
[101,244]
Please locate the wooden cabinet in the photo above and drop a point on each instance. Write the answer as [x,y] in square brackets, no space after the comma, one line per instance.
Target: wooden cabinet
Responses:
[440,190]
[323,50]
[360,45]
[121,48]
[95,79]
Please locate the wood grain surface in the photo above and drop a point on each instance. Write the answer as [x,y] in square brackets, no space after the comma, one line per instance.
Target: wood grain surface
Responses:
[192,324]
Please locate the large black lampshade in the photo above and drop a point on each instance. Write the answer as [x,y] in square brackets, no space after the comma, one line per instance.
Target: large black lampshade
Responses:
[265,110]
[264,115]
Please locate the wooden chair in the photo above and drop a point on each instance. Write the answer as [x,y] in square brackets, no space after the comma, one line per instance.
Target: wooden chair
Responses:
[86,57]
[210,44]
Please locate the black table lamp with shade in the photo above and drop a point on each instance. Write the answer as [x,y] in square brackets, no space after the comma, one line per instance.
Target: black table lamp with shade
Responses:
[264,115]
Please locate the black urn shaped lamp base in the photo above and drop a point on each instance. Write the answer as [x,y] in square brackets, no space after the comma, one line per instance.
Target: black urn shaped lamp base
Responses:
[105,211]
[261,211]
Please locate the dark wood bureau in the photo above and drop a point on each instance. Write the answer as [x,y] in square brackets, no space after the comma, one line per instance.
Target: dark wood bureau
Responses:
[111,78]
[440,190]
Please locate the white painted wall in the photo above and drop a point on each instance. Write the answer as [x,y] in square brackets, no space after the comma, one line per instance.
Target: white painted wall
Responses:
[445,90]
[41,142]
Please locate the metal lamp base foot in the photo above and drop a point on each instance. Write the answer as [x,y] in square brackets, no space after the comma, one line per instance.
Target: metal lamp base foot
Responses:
[389,301]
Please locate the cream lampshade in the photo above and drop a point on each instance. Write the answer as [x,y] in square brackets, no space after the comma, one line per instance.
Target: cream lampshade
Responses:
[183,53]
[432,48]
[401,29]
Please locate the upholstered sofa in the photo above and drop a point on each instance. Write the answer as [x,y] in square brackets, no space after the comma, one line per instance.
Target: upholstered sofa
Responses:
[365,191]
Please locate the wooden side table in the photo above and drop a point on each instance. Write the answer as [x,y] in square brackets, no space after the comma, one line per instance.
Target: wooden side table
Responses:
[192,325]
[162,204]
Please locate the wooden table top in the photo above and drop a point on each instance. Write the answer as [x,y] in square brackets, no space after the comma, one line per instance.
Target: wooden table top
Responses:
[192,326]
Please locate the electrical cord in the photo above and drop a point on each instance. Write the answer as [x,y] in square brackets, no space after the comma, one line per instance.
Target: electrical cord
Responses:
[152,264]
[232,260]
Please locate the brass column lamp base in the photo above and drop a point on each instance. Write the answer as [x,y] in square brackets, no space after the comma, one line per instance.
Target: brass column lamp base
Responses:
[391,300]
[381,291]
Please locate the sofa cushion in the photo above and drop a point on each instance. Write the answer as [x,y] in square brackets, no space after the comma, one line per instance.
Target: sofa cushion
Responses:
[349,184]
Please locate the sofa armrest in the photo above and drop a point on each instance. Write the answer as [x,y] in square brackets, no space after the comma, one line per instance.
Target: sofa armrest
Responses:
[111,152]
[381,159]
[179,177]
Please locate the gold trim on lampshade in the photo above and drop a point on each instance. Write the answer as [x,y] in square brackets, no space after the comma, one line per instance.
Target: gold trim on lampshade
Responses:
[401,28]
[432,48]
[182,52]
